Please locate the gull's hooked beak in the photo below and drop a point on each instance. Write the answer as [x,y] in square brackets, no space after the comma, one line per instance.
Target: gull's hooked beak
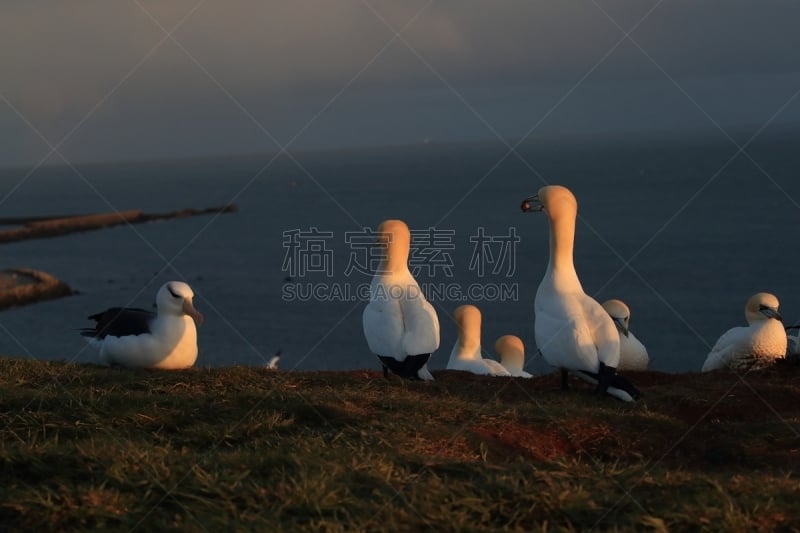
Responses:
[189,309]
[620,323]
[770,312]
[531,204]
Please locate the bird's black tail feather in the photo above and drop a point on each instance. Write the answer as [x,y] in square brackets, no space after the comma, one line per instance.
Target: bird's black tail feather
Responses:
[408,367]
[618,382]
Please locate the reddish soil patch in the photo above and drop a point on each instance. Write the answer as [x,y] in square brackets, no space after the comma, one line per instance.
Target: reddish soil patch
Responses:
[511,439]
[698,420]
[457,449]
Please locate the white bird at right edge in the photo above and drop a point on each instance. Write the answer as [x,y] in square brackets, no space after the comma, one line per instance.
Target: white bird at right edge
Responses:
[400,326]
[757,345]
[793,345]
[573,331]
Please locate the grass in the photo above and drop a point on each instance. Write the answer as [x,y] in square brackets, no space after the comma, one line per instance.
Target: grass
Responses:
[85,447]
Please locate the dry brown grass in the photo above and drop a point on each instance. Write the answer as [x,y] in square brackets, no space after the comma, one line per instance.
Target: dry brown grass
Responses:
[247,448]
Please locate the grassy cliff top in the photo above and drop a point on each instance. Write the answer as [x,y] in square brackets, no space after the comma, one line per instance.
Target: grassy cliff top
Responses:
[248,448]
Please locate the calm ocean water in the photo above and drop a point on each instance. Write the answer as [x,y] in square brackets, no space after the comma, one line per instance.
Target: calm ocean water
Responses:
[702,229]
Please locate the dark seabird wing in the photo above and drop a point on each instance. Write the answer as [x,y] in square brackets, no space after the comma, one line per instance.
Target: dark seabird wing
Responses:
[120,322]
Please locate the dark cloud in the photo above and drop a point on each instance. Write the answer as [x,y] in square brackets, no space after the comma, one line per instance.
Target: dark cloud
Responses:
[285,61]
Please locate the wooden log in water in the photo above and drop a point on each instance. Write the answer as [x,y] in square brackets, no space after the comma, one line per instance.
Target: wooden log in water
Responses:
[45,227]
[21,221]
[22,286]
[84,222]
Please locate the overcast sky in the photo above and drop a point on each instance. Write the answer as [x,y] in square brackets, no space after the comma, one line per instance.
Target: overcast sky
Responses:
[241,75]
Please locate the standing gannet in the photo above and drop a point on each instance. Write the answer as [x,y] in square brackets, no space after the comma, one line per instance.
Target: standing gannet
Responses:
[512,355]
[467,353]
[572,330]
[401,327]
[632,353]
[137,338]
[755,346]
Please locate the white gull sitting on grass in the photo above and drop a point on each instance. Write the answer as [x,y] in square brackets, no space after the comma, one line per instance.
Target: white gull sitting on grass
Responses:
[757,345]
[511,350]
[467,354]
[137,338]
[632,353]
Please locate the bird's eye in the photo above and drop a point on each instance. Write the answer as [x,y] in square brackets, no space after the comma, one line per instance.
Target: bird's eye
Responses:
[173,293]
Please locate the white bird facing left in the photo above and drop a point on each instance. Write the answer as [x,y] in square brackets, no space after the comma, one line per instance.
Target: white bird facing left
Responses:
[467,354]
[400,326]
[137,338]
[757,345]
[632,353]
[573,332]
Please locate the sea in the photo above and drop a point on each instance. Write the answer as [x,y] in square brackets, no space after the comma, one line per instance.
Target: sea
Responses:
[683,229]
